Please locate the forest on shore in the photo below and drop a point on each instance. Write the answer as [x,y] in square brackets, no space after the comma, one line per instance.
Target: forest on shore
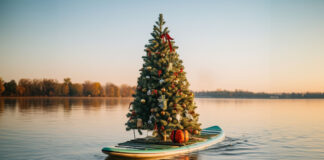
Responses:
[52,87]
[247,94]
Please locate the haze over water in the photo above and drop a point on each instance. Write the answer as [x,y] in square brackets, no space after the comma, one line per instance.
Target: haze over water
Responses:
[77,128]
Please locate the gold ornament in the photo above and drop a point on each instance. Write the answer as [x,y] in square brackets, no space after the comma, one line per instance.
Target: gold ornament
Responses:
[163,89]
[148,67]
[162,113]
[170,119]
[196,132]
[143,101]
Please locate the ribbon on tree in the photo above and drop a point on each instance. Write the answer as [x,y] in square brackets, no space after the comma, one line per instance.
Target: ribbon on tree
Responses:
[168,38]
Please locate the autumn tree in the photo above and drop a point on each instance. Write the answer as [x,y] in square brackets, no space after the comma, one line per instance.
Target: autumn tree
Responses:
[112,90]
[24,87]
[67,86]
[2,88]
[49,86]
[76,89]
[10,88]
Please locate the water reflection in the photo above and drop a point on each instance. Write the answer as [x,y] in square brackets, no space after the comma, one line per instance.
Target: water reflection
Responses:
[54,104]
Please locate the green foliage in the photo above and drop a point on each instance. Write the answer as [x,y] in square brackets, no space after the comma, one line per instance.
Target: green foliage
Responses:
[162,101]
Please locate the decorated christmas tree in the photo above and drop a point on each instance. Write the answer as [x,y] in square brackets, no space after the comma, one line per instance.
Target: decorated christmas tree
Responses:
[163,101]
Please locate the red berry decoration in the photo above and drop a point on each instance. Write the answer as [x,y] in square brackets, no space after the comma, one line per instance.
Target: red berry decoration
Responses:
[159,72]
[162,128]
[155,91]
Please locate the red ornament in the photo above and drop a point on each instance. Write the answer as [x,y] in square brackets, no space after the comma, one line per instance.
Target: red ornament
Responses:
[179,136]
[155,91]
[159,72]
[162,128]
[173,86]
[181,70]
[175,73]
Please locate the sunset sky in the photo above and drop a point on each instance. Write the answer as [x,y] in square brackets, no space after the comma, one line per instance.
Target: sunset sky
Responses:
[271,46]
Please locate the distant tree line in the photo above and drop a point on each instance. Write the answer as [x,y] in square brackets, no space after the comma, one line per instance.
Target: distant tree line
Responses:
[247,94]
[51,87]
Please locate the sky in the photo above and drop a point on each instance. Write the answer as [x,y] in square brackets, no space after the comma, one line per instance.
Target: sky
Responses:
[260,46]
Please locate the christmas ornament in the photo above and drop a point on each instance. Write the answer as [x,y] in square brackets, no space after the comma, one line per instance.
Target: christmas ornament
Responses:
[163,89]
[184,105]
[172,85]
[149,92]
[152,109]
[178,117]
[167,38]
[139,87]
[159,72]
[196,132]
[143,101]
[176,80]
[139,123]
[162,128]
[149,122]
[144,90]
[175,73]
[155,92]
[161,81]
[148,67]
[181,70]
[170,119]
[162,102]
[147,77]
[169,67]
[179,136]
[162,113]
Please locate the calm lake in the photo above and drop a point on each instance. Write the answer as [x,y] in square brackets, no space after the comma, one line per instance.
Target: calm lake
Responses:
[77,128]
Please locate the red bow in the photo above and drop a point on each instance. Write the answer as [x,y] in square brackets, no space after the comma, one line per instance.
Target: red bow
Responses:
[168,38]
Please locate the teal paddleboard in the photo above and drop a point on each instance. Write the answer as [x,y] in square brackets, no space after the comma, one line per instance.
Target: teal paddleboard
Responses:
[141,150]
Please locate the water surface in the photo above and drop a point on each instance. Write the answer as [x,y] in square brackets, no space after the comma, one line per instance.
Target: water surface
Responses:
[77,128]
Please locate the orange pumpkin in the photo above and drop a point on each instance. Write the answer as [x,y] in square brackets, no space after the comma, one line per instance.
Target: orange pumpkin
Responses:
[179,136]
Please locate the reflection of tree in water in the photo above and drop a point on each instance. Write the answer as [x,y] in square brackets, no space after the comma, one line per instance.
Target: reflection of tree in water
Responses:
[193,156]
[1,105]
[93,103]
[54,104]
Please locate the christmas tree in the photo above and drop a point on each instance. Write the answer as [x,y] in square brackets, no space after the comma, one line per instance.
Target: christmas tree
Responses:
[163,101]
